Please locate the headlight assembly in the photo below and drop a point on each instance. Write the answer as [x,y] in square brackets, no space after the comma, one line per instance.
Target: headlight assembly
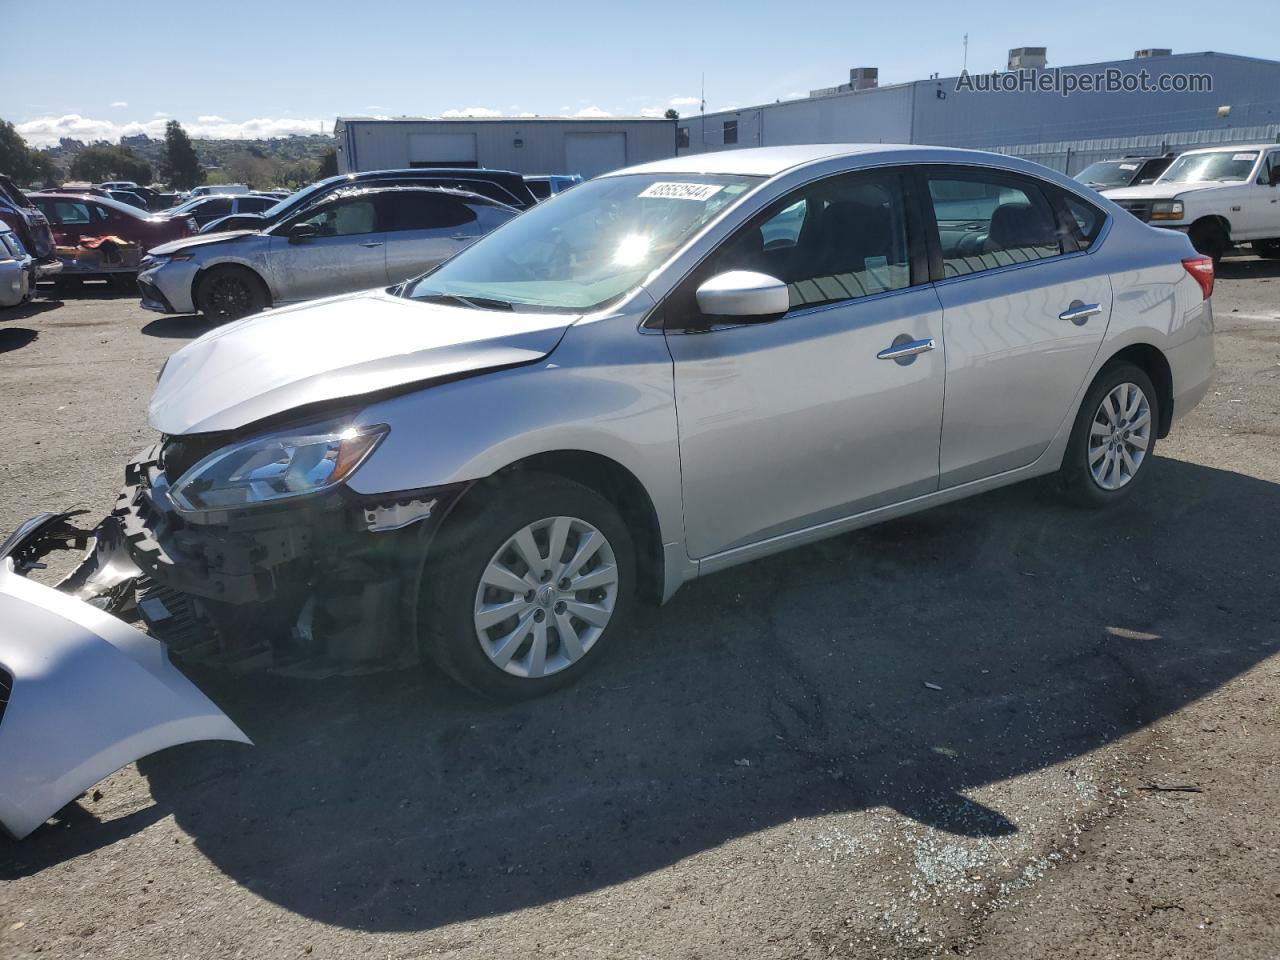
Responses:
[1166,210]
[276,466]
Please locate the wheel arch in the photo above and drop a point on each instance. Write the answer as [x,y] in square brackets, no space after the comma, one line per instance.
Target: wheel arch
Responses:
[203,273]
[1214,220]
[1152,361]
[611,480]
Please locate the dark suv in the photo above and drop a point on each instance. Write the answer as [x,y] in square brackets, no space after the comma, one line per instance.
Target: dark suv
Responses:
[500,185]
[31,226]
[1125,172]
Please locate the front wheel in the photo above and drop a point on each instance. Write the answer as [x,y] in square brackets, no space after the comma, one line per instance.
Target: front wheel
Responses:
[1113,437]
[1210,239]
[229,293]
[528,586]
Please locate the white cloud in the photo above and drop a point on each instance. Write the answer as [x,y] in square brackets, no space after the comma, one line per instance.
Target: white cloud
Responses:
[652,111]
[679,102]
[593,111]
[472,112]
[45,131]
[794,95]
[119,103]
[159,115]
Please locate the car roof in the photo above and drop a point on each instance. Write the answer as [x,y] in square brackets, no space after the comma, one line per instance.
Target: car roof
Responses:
[1231,148]
[94,198]
[356,190]
[771,161]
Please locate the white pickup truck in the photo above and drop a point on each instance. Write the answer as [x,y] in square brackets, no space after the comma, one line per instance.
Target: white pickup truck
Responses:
[1218,196]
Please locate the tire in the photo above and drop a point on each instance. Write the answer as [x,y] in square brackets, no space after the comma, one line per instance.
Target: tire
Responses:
[1270,249]
[1210,239]
[499,659]
[1088,451]
[229,293]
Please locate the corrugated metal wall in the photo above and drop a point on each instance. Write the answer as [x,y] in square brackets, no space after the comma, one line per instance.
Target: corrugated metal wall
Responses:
[1063,132]
[522,145]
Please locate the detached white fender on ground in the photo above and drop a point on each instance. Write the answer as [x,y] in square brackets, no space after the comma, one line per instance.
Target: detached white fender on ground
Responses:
[89,694]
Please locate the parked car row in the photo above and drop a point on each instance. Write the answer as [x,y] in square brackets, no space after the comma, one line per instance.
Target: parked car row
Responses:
[1217,196]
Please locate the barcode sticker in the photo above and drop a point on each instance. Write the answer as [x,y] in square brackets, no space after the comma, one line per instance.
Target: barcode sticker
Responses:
[1245,156]
[682,191]
[1128,166]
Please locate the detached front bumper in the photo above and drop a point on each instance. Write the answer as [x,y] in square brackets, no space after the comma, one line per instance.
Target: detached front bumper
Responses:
[48,268]
[81,695]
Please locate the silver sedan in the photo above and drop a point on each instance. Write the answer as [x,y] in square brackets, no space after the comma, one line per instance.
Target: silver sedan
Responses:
[352,240]
[659,374]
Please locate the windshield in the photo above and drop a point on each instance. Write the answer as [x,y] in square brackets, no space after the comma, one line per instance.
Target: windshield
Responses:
[1230,165]
[585,247]
[1110,173]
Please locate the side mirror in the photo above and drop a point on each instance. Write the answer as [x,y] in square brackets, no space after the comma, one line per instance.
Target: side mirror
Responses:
[744,295]
[303,232]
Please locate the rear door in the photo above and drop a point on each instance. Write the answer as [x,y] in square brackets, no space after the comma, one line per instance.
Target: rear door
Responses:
[348,253]
[1259,217]
[1024,313]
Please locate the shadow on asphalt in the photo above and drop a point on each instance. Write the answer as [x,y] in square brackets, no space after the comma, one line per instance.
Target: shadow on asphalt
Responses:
[792,687]
[15,338]
[186,327]
[1252,269]
[32,308]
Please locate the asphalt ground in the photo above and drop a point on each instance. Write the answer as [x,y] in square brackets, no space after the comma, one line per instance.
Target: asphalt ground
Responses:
[1001,728]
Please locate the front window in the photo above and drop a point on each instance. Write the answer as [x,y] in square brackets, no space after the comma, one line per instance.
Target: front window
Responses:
[1109,173]
[1232,166]
[594,244]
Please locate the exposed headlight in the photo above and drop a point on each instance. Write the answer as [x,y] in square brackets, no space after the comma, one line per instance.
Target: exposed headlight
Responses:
[159,260]
[274,467]
[1166,210]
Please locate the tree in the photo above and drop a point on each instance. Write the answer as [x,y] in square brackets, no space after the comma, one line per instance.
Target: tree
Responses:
[179,164]
[328,165]
[104,162]
[20,161]
[672,113]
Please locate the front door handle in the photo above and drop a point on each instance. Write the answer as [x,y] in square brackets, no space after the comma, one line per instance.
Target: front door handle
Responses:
[904,350]
[371,243]
[1079,312]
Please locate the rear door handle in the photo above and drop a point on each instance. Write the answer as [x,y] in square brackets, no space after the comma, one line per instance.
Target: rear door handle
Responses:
[371,243]
[1080,312]
[905,349]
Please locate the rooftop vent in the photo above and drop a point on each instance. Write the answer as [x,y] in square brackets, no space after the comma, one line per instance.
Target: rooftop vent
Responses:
[860,78]
[1028,58]
[1152,52]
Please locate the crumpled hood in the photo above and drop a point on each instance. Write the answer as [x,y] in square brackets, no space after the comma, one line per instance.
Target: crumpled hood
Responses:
[343,346]
[186,243]
[1162,191]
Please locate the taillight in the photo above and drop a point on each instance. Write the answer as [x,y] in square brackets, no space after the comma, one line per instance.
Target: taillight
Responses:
[1201,268]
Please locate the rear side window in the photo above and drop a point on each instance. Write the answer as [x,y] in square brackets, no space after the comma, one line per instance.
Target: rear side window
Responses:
[70,212]
[1086,219]
[986,221]
[214,208]
[413,210]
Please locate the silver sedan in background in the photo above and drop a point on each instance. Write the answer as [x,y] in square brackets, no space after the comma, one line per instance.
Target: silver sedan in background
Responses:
[352,240]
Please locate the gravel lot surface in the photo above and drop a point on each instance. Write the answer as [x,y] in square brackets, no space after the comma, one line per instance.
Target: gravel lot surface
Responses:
[767,769]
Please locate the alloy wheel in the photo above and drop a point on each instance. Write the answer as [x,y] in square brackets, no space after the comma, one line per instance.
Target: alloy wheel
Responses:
[230,297]
[1119,436]
[546,596]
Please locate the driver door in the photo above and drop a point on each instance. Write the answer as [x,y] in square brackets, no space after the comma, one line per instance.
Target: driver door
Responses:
[802,420]
[347,253]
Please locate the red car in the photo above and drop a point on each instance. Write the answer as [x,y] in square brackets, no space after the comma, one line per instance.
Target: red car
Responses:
[73,216]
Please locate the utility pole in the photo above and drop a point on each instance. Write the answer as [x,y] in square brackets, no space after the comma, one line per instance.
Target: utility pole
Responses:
[965,67]
[702,111]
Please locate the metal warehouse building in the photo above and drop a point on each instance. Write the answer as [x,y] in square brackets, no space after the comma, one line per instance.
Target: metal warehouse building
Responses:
[1066,133]
[525,144]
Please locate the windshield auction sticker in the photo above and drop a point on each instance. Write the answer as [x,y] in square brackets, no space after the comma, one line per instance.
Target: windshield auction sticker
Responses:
[682,191]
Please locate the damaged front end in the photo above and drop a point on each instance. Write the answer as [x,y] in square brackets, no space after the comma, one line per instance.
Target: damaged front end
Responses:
[317,585]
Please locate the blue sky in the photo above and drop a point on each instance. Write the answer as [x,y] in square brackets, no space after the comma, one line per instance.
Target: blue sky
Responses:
[237,68]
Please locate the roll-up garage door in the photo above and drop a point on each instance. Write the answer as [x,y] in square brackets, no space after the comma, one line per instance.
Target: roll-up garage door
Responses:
[442,150]
[591,154]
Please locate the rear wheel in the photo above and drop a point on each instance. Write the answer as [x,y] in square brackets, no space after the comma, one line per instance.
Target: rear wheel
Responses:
[1210,238]
[529,586]
[1267,248]
[229,293]
[1113,438]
